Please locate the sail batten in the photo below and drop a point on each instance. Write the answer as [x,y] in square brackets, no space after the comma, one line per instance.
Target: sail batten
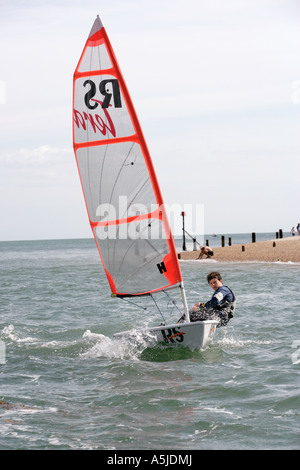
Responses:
[122,195]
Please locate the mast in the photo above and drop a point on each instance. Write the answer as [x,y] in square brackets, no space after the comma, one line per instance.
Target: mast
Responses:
[185,305]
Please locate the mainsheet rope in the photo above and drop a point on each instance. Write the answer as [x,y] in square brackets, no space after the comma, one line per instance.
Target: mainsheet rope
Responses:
[156,304]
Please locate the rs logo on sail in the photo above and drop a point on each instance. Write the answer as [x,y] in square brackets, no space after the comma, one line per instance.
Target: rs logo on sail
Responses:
[111,91]
[107,88]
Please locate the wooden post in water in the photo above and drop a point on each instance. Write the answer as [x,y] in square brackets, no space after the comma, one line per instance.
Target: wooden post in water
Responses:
[194,244]
[280,233]
[253,237]
[207,242]
[223,240]
[183,232]
[229,241]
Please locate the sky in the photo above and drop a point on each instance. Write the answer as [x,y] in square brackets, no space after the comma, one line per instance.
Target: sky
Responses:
[216,87]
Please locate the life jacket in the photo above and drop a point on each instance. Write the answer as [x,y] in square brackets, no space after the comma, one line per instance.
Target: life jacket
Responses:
[224,311]
[226,306]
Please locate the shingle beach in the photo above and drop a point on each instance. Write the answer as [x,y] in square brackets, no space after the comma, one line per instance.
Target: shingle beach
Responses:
[282,249]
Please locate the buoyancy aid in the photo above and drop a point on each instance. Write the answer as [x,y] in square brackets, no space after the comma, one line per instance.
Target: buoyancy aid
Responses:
[227,306]
[221,307]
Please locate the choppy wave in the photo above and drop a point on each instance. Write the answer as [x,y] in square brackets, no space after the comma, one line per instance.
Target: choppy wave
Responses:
[130,346]
[89,345]
[231,342]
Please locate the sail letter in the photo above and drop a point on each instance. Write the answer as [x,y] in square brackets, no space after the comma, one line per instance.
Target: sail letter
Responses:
[90,94]
[107,92]
[161,267]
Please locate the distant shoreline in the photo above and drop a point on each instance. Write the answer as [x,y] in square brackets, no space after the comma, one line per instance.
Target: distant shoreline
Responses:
[279,249]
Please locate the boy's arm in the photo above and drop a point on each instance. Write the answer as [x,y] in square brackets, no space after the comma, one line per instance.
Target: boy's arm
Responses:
[217,298]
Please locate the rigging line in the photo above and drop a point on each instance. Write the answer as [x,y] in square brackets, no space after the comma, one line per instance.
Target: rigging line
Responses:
[128,203]
[126,215]
[153,247]
[156,254]
[106,147]
[118,227]
[120,170]
[139,190]
[101,172]
[133,303]
[159,253]
[171,300]
[158,308]
[102,166]
[88,160]
[111,196]
[131,273]
[99,57]
[141,187]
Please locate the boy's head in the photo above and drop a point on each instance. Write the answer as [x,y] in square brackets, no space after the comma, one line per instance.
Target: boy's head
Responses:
[215,280]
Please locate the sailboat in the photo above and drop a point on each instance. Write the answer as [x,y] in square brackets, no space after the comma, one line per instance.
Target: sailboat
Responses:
[122,195]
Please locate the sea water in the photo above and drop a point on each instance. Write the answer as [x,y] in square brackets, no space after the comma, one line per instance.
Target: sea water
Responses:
[67,383]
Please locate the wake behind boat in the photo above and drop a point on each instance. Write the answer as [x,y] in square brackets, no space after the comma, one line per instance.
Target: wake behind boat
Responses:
[122,195]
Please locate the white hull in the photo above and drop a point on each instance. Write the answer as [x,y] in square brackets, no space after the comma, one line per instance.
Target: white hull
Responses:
[194,335]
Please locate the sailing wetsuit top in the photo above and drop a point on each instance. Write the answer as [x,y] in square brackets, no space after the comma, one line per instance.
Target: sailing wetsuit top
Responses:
[223,302]
[221,306]
[222,294]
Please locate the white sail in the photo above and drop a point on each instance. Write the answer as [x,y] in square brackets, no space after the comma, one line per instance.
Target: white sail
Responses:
[122,195]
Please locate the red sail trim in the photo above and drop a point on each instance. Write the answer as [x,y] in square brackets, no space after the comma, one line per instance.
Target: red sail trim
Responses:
[97,39]
[91,73]
[171,271]
[115,140]
[127,220]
